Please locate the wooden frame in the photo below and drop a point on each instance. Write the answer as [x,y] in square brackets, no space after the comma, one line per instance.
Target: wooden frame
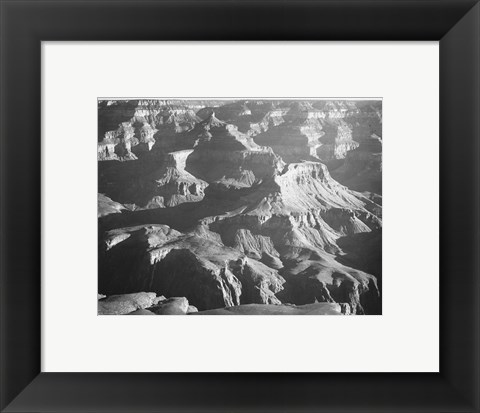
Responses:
[24,24]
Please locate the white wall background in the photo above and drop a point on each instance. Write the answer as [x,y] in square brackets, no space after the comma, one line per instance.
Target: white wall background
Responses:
[404,338]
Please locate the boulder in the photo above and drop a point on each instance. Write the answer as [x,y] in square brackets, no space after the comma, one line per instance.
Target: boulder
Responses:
[192,309]
[171,306]
[125,303]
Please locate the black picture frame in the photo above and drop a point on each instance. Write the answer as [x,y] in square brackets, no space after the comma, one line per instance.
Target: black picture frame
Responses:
[25,24]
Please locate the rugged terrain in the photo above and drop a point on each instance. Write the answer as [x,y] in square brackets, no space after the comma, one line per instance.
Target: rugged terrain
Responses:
[239,207]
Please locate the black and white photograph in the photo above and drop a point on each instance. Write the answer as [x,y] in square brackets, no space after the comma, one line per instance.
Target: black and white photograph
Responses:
[239,206]
[240,171]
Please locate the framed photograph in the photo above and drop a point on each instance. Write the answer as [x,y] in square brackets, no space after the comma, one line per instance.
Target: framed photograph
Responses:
[310,170]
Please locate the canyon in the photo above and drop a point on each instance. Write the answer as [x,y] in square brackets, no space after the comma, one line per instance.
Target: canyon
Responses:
[239,207]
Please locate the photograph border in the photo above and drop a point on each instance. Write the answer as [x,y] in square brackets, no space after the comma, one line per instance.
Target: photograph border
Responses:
[237,99]
[25,24]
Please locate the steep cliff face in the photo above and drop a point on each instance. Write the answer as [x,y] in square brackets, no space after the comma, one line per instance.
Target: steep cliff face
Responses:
[336,142]
[362,168]
[229,159]
[112,113]
[158,182]
[171,184]
[301,215]
[232,203]
[317,130]
[130,128]
[250,117]
[293,131]
[117,144]
[209,274]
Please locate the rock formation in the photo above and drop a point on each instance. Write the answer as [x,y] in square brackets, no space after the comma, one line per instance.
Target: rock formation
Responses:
[245,206]
[125,304]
